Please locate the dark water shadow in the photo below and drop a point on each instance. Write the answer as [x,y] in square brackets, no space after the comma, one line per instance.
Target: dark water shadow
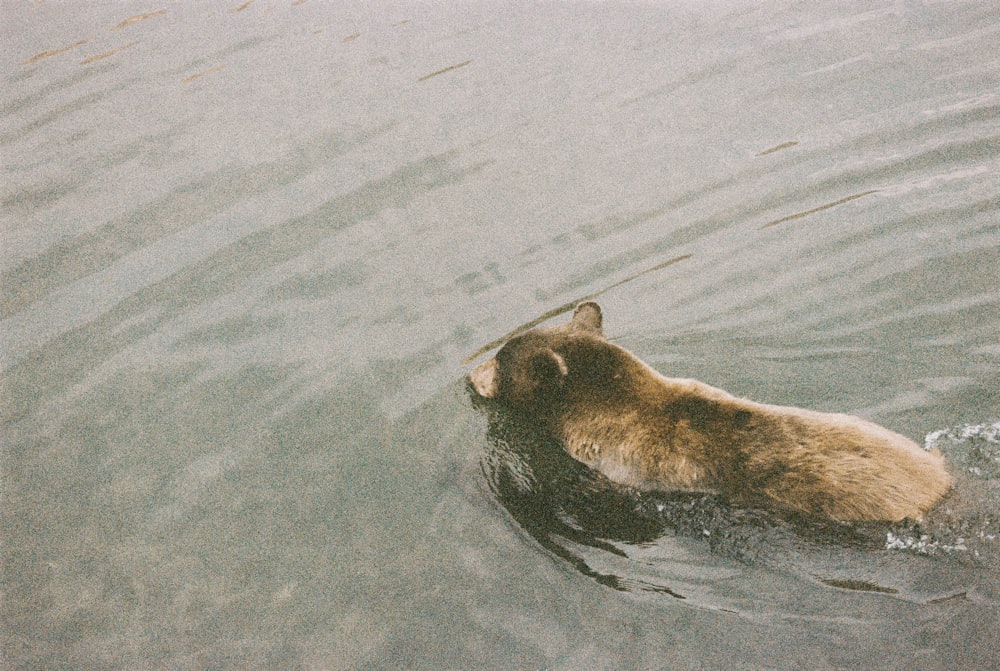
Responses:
[19,107]
[56,364]
[184,206]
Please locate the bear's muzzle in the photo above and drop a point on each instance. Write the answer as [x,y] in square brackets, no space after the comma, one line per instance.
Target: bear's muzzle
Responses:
[483,379]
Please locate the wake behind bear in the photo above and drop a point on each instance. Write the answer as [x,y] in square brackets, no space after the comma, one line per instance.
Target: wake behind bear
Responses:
[614,413]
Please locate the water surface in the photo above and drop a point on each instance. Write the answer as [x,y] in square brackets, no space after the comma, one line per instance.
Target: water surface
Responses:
[246,248]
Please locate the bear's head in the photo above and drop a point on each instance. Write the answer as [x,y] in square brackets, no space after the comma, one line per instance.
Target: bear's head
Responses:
[530,371]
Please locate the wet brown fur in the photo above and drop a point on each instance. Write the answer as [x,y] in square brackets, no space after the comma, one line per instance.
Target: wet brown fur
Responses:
[616,414]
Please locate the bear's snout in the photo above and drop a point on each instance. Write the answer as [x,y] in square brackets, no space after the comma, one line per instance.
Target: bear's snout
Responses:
[483,379]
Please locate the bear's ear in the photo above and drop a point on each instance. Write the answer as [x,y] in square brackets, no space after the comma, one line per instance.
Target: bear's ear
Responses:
[587,317]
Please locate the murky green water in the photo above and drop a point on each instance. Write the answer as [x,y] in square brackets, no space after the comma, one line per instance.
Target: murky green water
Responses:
[246,248]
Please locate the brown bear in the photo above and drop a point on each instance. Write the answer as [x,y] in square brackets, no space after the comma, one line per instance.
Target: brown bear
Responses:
[614,413]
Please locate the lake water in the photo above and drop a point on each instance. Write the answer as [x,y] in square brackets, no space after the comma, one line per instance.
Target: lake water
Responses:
[247,247]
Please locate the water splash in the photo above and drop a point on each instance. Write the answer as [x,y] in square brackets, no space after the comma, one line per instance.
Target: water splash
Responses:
[966,525]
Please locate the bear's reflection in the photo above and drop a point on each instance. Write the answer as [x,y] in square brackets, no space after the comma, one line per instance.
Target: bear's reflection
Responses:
[556,499]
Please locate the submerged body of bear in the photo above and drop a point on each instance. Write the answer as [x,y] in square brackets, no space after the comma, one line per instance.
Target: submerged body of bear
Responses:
[616,414]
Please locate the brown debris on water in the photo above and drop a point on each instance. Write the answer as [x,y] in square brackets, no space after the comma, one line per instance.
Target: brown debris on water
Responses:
[137,18]
[53,52]
[203,73]
[555,312]
[799,215]
[444,70]
[783,145]
[107,54]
